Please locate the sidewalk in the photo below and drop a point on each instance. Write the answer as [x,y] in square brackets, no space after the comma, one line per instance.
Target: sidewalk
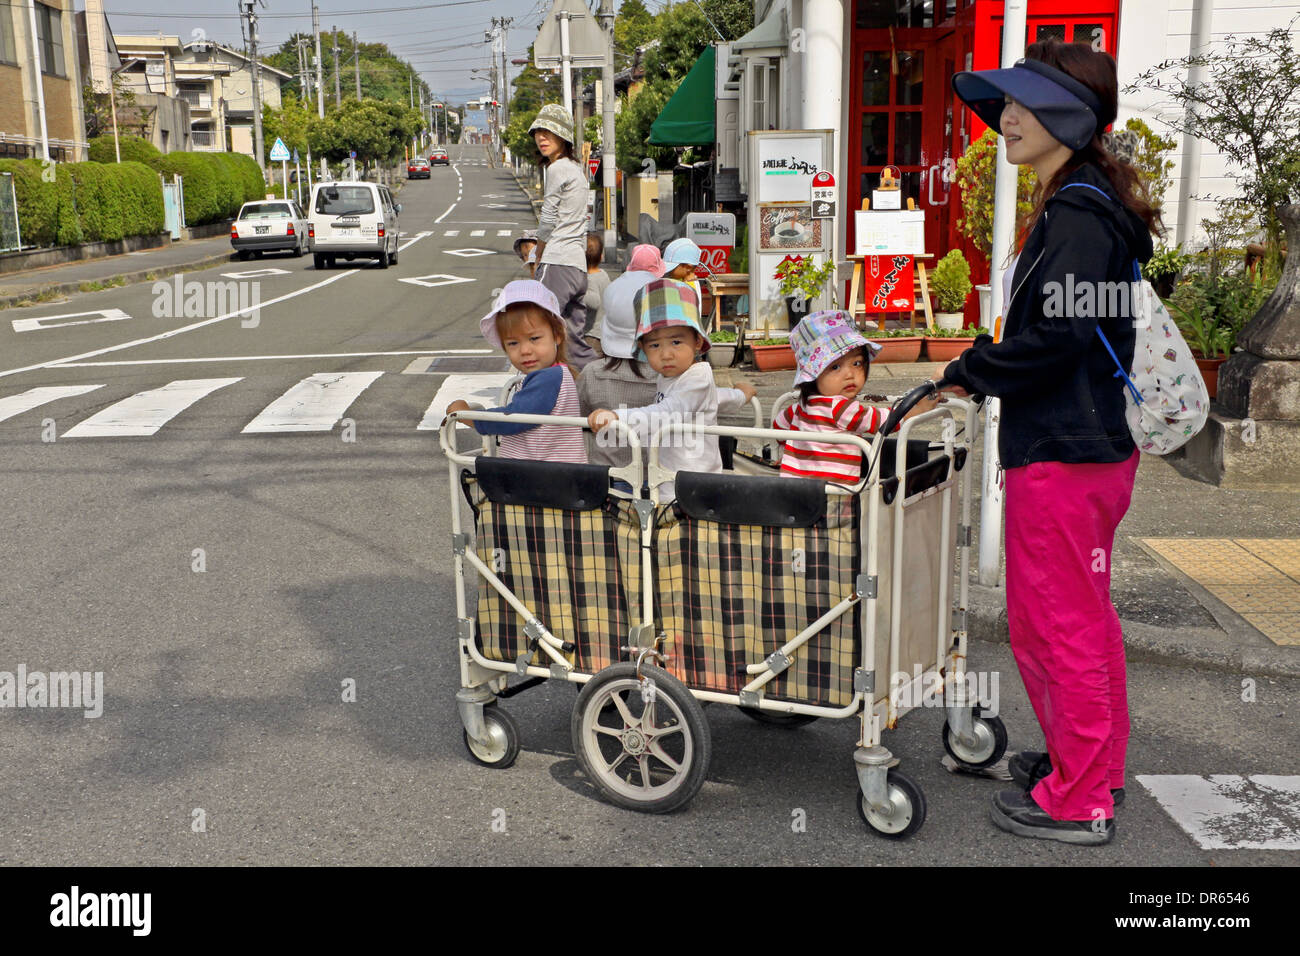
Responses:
[88,275]
[1202,576]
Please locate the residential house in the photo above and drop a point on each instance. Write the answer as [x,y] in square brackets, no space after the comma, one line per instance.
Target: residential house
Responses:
[217,82]
[53,96]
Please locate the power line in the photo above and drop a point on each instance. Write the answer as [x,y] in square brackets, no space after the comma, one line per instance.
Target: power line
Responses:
[298,16]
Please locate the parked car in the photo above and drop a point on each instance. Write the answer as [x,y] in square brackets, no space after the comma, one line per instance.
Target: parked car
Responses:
[439,157]
[267,225]
[353,219]
[417,169]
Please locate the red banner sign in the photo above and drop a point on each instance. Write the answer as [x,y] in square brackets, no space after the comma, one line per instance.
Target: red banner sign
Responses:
[887,284]
[715,257]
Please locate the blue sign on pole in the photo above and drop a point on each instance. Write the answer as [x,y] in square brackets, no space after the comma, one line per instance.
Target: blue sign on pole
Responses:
[352,154]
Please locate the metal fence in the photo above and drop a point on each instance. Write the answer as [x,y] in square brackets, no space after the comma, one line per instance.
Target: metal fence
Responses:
[11,236]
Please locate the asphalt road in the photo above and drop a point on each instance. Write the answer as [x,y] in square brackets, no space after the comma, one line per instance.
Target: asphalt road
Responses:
[326,560]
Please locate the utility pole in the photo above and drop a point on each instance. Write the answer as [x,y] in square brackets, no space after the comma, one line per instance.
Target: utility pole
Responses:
[338,97]
[249,6]
[320,93]
[503,25]
[356,63]
[40,85]
[607,134]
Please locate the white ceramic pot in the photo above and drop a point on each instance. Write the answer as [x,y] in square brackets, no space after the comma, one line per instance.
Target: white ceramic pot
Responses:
[986,304]
[948,320]
[720,354]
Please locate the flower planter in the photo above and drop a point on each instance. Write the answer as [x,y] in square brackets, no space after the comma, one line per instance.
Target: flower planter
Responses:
[946,349]
[1210,372]
[949,321]
[720,354]
[772,358]
[905,348]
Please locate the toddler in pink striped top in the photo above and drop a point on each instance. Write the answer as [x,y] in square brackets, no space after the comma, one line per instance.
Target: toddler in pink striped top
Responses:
[525,323]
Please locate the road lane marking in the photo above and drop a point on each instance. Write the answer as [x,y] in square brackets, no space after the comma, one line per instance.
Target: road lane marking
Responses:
[503,232]
[477,232]
[12,405]
[271,358]
[451,232]
[38,324]
[459,185]
[316,404]
[445,214]
[145,412]
[477,388]
[256,273]
[181,331]
[413,240]
[468,253]
[1231,812]
[445,280]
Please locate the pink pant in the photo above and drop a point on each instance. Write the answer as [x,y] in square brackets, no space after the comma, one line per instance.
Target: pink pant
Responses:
[1065,633]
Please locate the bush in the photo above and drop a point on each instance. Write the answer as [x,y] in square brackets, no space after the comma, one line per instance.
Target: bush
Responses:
[950,282]
[47,210]
[215,184]
[134,150]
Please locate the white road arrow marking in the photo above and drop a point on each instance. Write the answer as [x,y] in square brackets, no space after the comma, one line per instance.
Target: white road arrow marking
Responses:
[145,412]
[442,280]
[316,404]
[468,253]
[50,321]
[12,405]
[255,273]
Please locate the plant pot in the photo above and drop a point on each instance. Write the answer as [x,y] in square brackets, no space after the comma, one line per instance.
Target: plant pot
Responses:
[796,307]
[1210,372]
[720,354]
[946,349]
[902,349]
[949,321]
[1164,285]
[986,304]
[772,358]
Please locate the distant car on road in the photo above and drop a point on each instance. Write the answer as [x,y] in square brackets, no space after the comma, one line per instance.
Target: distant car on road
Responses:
[267,225]
[417,169]
[439,157]
[352,220]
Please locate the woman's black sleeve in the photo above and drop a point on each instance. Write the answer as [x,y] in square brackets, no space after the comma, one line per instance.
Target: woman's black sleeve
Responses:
[1080,254]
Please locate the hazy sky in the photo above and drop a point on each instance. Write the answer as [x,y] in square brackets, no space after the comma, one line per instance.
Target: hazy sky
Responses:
[443,39]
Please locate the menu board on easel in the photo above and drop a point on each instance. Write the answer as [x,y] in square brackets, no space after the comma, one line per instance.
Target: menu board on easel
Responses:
[782,165]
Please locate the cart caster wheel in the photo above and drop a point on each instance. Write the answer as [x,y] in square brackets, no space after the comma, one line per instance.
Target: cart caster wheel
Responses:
[646,755]
[777,720]
[991,742]
[504,748]
[907,809]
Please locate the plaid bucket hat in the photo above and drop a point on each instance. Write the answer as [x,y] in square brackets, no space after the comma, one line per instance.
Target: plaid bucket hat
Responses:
[823,337]
[664,303]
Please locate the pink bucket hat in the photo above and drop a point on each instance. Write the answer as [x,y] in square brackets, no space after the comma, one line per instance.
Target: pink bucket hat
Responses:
[646,258]
[521,290]
[823,337]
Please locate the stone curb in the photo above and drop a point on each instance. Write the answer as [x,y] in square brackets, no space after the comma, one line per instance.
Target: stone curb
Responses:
[128,278]
[1198,647]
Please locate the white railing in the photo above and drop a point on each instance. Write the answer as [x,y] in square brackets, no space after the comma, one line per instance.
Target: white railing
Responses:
[204,139]
[197,98]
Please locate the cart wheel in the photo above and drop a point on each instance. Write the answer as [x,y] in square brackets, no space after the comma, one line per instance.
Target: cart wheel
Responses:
[907,811]
[991,742]
[504,748]
[775,719]
[646,755]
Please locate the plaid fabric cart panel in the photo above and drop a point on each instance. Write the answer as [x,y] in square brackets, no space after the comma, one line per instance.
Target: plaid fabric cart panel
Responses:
[732,594]
[568,567]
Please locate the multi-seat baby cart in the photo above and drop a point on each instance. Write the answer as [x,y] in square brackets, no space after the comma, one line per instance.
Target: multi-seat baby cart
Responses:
[790,598]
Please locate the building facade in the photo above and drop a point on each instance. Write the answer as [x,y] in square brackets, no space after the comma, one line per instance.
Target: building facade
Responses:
[58,79]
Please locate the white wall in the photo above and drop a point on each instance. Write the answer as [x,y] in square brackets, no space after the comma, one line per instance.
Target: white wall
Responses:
[1155,30]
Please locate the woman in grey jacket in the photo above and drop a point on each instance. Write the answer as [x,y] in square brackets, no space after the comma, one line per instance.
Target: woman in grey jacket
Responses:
[562,231]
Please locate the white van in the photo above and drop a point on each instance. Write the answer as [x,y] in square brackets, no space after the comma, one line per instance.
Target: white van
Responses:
[351,219]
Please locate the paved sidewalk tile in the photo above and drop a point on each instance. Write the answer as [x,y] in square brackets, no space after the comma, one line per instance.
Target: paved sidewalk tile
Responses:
[1258,578]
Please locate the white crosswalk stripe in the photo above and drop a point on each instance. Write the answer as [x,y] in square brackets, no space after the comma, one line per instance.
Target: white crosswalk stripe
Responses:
[477,388]
[451,232]
[1231,812]
[12,405]
[145,412]
[316,404]
[478,232]
[503,232]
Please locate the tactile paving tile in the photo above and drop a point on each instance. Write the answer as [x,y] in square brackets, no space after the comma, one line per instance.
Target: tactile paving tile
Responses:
[1258,578]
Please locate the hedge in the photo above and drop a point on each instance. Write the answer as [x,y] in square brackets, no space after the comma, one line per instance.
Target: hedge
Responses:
[104,201]
[133,148]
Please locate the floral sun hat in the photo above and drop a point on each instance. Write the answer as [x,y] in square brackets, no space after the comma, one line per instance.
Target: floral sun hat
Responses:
[823,337]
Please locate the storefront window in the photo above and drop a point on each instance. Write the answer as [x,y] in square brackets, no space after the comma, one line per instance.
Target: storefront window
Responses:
[1049,30]
[875,79]
[910,84]
[881,14]
[907,139]
[1092,34]
[875,139]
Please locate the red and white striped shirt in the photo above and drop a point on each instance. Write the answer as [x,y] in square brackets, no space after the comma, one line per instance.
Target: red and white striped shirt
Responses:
[827,461]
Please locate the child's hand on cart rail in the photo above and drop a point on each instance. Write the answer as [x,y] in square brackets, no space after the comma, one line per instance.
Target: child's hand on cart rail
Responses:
[599,418]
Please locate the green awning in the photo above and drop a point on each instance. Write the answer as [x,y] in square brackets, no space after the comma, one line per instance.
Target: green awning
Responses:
[687,118]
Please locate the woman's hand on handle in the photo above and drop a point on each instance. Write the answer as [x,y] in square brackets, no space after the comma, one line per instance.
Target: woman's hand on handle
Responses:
[957,390]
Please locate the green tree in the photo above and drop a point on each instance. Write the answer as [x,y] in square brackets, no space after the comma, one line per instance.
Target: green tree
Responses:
[292,122]
[634,26]
[377,130]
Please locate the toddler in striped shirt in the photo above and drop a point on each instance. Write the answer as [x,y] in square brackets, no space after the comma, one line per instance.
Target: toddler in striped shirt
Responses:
[525,323]
[833,360]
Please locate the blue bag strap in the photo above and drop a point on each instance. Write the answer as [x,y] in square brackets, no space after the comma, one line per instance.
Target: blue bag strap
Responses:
[1137,277]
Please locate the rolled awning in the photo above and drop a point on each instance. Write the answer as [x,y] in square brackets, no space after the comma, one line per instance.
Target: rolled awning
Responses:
[687,119]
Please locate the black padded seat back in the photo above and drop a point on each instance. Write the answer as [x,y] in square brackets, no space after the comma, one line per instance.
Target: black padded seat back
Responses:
[542,484]
[751,499]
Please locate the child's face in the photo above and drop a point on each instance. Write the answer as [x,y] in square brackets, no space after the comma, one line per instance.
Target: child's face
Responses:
[684,272]
[525,249]
[671,351]
[531,345]
[845,376]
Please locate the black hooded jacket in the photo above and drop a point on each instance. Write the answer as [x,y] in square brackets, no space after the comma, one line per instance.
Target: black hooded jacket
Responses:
[1061,398]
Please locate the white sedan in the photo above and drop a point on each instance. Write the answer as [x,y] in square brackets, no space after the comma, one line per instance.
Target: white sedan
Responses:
[269,224]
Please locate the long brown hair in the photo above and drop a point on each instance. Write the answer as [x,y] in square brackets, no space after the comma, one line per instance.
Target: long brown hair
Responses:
[1097,72]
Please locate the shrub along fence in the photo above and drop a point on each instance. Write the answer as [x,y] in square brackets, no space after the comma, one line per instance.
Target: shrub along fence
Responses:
[70,203]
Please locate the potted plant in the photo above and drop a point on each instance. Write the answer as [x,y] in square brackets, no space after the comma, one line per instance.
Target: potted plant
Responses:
[722,348]
[1163,268]
[944,345]
[772,355]
[801,281]
[950,286]
[896,345]
[1211,310]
